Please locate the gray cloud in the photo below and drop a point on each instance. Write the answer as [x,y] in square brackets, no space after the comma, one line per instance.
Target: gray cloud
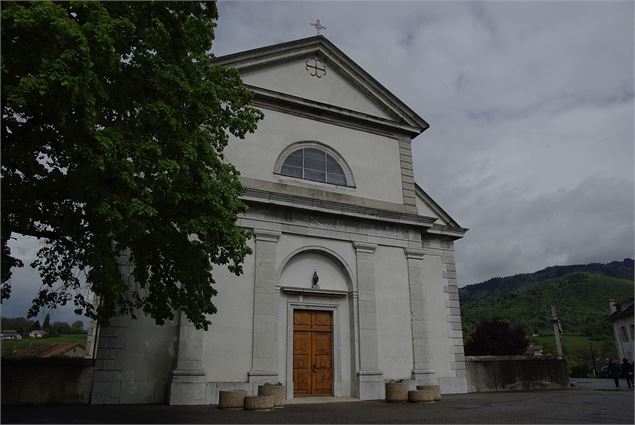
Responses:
[26,282]
[531,113]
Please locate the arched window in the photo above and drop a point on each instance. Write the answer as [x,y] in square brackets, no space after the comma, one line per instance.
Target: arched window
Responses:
[315,164]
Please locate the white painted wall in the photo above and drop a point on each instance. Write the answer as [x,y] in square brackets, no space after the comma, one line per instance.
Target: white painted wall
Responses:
[290,245]
[373,159]
[293,78]
[227,345]
[394,330]
[424,209]
[435,315]
[146,360]
[298,272]
[624,345]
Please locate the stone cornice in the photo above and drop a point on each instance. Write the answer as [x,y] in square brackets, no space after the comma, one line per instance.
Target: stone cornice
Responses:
[333,207]
[441,213]
[450,231]
[331,114]
[266,235]
[365,247]
[414,253]
[315,292]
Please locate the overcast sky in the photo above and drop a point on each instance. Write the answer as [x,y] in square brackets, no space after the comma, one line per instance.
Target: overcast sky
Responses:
[530,106]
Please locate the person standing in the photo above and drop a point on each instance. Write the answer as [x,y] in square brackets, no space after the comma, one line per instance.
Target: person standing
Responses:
[627,372]
[614,372]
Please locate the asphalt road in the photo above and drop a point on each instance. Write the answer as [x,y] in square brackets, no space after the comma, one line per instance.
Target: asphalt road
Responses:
[586,403]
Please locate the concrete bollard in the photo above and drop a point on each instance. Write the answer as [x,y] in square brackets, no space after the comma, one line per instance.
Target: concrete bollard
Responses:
[279,393]
[421,396]
[435,388]
[233,400]
[259,402]
[397,391]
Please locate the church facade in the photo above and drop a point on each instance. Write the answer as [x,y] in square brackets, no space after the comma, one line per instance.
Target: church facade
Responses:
[352,280]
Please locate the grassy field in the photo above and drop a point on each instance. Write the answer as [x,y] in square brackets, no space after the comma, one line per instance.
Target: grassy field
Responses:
[577,349]
[9,346]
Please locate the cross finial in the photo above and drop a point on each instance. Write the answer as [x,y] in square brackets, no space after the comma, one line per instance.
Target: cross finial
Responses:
[318,26]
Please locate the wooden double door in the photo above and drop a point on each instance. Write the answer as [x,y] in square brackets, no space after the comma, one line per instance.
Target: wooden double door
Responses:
[312,353]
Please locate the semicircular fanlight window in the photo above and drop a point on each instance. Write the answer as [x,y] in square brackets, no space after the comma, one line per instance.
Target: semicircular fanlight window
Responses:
[315,165]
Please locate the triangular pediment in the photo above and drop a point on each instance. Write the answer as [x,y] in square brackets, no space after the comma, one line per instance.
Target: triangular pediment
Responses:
[314,70]
[428,207]
[316,78]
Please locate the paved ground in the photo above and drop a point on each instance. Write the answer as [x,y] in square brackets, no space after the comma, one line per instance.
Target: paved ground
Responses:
[590,401]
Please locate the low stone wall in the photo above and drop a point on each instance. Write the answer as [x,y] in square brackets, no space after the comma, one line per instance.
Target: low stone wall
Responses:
[515,373]
[53,380]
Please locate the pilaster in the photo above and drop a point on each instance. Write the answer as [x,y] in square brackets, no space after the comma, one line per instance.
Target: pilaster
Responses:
[457,384]
[264,355]
[371,379]
[407,176]
[422,373]
[188,378]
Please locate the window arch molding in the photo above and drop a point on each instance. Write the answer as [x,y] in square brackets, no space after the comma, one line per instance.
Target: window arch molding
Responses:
[350,180]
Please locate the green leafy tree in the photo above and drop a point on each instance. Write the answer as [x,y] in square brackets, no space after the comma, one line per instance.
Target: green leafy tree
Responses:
[61,328]
[36,326]
[77,327]
[496,338]
[114,121]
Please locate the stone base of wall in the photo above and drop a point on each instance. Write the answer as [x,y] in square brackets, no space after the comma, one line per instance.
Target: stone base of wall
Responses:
[206,393]
[456,385]
[515,373]
[54,380]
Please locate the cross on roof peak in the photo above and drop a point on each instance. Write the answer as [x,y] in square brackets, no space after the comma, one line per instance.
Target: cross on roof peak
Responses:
[318,26]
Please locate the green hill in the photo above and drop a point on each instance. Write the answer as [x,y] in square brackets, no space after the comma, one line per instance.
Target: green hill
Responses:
[581,294]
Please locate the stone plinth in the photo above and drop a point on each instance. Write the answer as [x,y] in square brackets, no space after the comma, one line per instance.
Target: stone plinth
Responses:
[259,402]
[397,391]
[278,392]
[234,400]
[421,396]
[434,388]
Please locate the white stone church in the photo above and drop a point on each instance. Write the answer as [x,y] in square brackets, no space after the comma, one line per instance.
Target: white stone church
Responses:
[352,280]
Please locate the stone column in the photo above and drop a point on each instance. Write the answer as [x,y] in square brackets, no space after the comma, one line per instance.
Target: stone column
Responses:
[421,372]
[264,351]
[188,379]
[371,379]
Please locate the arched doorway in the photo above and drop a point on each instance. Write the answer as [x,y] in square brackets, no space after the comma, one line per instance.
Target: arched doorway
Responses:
[316,288]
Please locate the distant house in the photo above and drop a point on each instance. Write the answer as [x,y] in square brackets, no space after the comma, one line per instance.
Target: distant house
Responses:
[37,334]
[621,317]
[10,334]
[534,350]
[54,350]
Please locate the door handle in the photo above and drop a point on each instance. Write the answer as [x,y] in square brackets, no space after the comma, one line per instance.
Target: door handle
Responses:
[314,369]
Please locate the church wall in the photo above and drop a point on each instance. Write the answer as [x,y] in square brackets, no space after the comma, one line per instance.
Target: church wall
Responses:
[435,314]
[373,159]
[134,358]
[423,209]
[299,270]
[228,342]
[394,332]
[293,78]
[290,245]
[442,308]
